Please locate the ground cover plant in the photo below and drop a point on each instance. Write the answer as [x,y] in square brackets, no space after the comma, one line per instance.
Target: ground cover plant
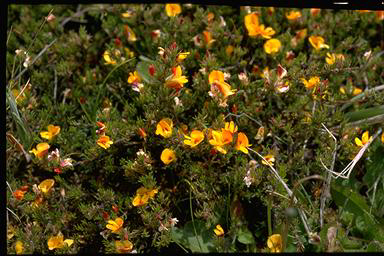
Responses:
[185,128]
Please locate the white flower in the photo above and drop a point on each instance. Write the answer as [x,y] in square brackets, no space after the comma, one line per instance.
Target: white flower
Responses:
[27,61]
[243,78]
[162,227]
[161,51]
[54,155]
[222,22]
[178,102]
[248,179]
[173,221]
[227,76]
[367,54]
[66,163]
[137,87]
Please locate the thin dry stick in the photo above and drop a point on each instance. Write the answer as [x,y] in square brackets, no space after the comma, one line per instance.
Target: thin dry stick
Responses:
[55,88]
[243,114]
[368,121]
[22,90]
[326,188]
[289,191]
[17,217]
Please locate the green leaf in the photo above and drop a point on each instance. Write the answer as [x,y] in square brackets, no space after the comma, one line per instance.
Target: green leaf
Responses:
[245,237]
[143,68]
[365,113]
[203,242]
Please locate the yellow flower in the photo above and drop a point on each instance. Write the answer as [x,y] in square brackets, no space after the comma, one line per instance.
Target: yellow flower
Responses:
[242,143]
[41,150]
[311,83]
[131,36]
[52,132]
[230,126]
[115,225]
[293,15]
[181,56]
[18,97]
[57,242]
[254,29]
[123,246]
[143,195]
[275,243]
[104,141]
[229,50]
[164,128]
[272,46]
[108,59]
[356,91]
[127,14]
[176,81]
[195,138]
[19,247]
[10,232]
[46,185]
[134,78]
[216,79]
[210,16]
[219,231]
[168,156]
[382,137]
[331,58]
[208,38]
[270,159]
[317,42]
[219,139]
[172,9]
[364,139]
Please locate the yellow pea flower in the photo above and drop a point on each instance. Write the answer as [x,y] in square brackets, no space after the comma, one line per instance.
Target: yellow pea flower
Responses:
[46,185]
[272,46]
[208,38]
[115,225]
[177,80]
[19,248]
[251,22]
[275,243]
[364,139]
[230,126]
[181,56]
[104,141]
[168,156]
[311,83]
[172,9]
[57,242]
[229,50]
[134,77]
[270,159]
[356,91]
[293,15]
[317,42]
[52,132]
[108,59]
[216,80]
[123,246]
[242,143]
[331,58]
[143,195]
[219,231]
[382,137]
[195,138]
[219,139]
[131,36]
[41,150]
[164,128]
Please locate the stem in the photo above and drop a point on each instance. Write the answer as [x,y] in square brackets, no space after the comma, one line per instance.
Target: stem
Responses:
[361,95]
[269,209]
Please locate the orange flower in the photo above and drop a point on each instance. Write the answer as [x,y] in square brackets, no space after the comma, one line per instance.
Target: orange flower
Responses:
[216,80]
[57,242]
[317,42]
[46,185]
[242,143]
[293,15]
[172,9]
[382,137]
[272,46]
[104,141]
[134,78]
[19,248]
[208,38]
[195,138]
[254,29]
[123,246]
[168,156]
[219,231]
[142,133]
[176,81]
[41,150]
[115,225]
[275,243]
[164,128]
[364,139]
[52,132]
[143,195]
[311,83]
[315,11]
[19,194]
[270,159]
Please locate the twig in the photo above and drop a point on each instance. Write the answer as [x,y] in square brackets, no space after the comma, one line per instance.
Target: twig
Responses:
[55,88]
[17,217]
[9,35]
[368,121]
[326,188]
[38,56]
[243,114]
[289,191]
[22,90]
[9,186]
[361,95]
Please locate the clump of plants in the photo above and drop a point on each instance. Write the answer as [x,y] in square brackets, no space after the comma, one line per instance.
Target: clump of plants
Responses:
[186,128]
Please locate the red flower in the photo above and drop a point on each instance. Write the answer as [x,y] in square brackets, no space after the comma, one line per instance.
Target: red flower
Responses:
[57,170]
[117,41]
[151,69]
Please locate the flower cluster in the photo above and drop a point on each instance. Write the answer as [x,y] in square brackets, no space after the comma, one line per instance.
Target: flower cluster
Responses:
[104,141]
